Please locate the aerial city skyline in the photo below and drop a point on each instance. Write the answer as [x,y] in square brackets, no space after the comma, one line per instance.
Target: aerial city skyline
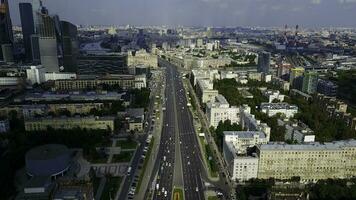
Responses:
[267,13]
[178,100]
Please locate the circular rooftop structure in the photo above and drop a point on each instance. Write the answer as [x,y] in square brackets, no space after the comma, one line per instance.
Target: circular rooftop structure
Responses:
[48,160]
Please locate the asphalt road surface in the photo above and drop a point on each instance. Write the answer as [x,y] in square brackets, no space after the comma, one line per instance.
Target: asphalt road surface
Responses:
[178,144]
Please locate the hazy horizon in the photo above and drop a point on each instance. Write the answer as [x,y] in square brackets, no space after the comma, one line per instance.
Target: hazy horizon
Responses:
[264,13]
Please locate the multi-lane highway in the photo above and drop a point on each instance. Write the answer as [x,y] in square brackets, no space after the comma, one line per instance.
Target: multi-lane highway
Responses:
[166,156]
[179,163]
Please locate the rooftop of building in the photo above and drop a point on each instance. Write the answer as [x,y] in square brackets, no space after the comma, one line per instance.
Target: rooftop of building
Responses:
[336,145]
[245,134]
[278,106]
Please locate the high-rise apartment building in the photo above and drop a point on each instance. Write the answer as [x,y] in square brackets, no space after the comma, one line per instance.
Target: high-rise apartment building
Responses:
[310,82]
[264,62]
[296,77]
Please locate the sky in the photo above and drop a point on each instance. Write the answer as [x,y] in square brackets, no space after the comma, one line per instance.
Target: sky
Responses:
[265,13]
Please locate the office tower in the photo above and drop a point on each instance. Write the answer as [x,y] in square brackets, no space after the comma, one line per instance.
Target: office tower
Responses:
[264,59]
[6,35]
[70,46]
[35,49]
[310,82]
[28,28]
[50,40]
[7,53]
[296,76]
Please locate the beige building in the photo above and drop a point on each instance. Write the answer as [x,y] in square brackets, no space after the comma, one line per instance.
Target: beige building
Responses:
[310,162]
[41,124]
[141,57]
[205,91]
[124,81]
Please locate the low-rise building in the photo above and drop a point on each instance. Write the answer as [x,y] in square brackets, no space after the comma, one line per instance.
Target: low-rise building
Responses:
[285,109]
[36,74]
[242,140]
[250,123]
[92,82]
[297,131]
[91,122]
[135,118]
[240,167]
[220,110]
[273,95]
[9,81]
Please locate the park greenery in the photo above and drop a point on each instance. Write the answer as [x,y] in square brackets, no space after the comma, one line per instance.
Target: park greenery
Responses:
[141,98]
[346,81]
[325,128]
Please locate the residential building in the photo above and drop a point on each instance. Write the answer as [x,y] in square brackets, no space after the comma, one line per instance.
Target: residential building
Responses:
[310,82]
[297,131]
[296,77]
[135,118]
[240,167]
[205,91]
[36,74]
[242,140]
[250,123]
[309,161]
[273,95]
[264,62]
[220,110]
[271,109]
[327,88]
[42,124]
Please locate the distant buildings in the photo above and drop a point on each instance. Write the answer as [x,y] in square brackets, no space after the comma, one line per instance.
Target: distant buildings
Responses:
[296,77]
[220,110]
[141,57]
[272,109]
[264,62]
[327,88]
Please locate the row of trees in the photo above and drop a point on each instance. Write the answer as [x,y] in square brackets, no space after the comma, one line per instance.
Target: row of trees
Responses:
[325,128]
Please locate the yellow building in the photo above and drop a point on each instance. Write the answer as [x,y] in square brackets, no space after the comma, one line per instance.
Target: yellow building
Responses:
[310,162]
[141,57]
[41,124]
[295,72]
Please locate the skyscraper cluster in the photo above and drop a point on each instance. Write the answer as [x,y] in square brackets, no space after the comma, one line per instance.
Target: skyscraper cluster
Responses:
[47,40]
